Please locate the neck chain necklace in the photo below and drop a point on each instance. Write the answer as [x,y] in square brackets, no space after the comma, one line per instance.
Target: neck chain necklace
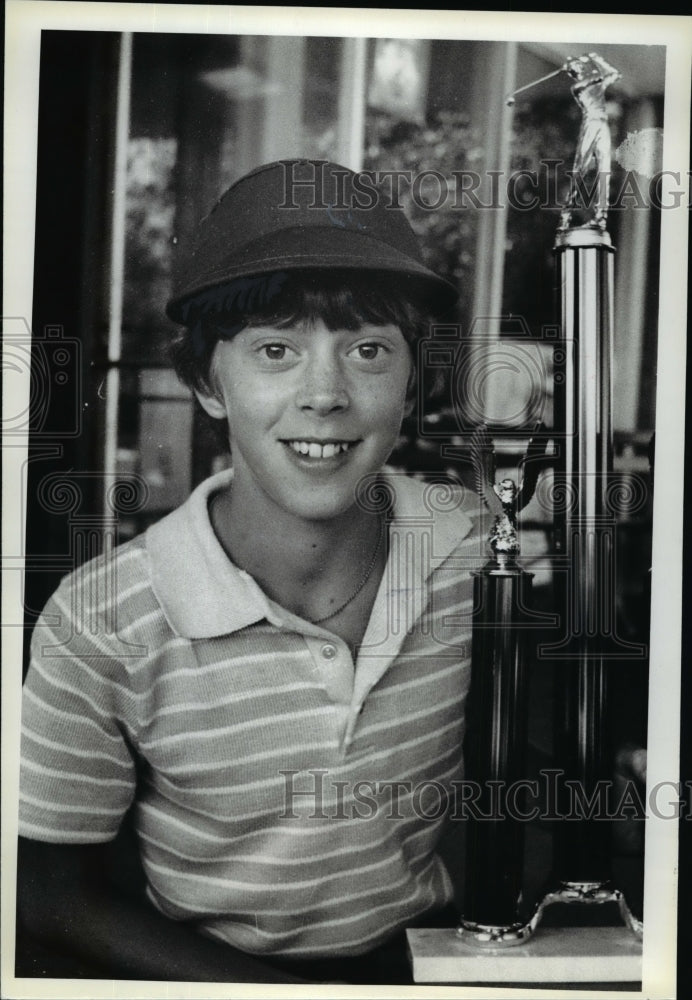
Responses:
[361,583]
[364,579]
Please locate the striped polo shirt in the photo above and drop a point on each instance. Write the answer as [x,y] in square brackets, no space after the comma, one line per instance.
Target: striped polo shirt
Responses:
[285,799]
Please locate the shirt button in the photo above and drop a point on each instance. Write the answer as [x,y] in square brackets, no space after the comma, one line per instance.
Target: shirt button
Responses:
[329,651]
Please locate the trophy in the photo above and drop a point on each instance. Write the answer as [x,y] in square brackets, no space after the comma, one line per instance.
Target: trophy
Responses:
[496,731]
[584,584]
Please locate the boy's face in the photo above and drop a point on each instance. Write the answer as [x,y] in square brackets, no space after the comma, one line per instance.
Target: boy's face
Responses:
[310,411]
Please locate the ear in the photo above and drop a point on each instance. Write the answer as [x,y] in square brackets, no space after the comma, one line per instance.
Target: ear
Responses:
[411,390]
[214,406]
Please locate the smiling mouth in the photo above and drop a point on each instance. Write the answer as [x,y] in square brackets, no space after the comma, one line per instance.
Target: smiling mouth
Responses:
[320,449]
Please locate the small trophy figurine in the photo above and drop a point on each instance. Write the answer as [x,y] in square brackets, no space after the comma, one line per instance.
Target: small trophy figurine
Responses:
[505,499]
[593,75]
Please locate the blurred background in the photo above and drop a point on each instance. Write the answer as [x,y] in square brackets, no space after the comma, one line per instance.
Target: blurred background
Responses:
[138,137]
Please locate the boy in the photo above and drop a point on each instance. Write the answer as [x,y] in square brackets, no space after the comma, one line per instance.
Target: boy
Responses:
[272,679]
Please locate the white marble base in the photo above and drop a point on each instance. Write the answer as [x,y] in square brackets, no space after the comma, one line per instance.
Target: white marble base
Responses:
[553,955]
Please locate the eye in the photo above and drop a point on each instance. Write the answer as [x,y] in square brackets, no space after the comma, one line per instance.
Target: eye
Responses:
[369,351]
[274,352]
[271,352]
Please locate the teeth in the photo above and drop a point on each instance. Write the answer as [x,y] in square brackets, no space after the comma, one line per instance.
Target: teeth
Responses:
[315,450]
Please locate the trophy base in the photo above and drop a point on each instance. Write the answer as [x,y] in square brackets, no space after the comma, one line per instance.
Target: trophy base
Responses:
[586,950]
[556,955]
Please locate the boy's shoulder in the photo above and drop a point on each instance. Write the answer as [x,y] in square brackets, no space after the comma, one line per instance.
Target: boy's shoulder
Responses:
[441,513]
[118,594]
[129,563]
[114,569]
[441,498]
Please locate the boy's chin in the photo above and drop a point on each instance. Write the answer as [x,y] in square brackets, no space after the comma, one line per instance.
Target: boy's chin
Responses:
[328,503]
[322,511]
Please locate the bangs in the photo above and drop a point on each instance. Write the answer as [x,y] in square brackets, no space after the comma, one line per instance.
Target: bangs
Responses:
[342,301]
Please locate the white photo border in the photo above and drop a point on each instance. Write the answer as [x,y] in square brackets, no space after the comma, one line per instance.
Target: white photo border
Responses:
[25,19]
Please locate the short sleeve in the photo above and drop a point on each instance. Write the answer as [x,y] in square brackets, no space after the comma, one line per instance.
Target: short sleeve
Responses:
[78,772]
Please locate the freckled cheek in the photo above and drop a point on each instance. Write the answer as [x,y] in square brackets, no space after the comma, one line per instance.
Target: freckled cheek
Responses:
[386,401]
[250,401]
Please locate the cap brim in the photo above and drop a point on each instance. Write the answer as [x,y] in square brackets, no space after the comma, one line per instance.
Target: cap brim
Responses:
[314,248]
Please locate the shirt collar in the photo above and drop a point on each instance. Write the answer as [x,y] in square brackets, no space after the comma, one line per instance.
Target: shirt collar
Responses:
[204,595]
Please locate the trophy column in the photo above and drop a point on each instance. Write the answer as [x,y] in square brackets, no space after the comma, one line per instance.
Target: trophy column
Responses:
[495,747]
[585,536]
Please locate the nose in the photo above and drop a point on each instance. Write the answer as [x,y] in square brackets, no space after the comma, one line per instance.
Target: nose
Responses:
[323,387]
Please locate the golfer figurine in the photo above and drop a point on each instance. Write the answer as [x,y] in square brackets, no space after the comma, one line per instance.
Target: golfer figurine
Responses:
[593,75]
